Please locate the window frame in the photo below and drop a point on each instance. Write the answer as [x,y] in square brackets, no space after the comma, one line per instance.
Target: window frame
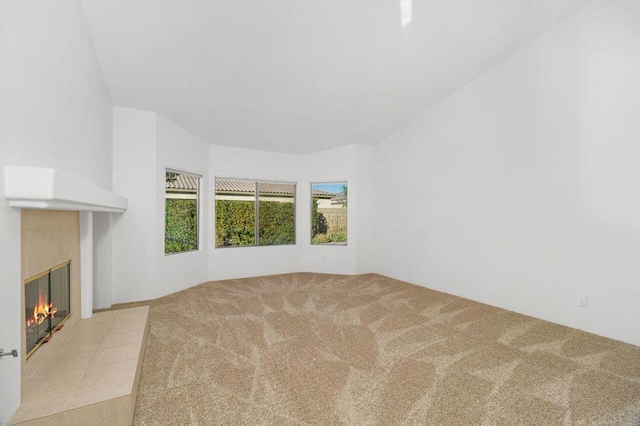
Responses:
[256,209]
[198,198]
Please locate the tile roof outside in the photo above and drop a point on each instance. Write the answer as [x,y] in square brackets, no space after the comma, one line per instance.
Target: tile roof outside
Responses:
[186,182]
[183,182]
[248,186]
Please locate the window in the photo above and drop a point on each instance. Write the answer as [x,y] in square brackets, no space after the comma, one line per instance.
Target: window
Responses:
[254,213]
[329,213]
[181,212]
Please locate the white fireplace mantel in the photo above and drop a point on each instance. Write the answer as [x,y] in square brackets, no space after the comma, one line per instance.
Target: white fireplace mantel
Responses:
[51,189]
[46,188]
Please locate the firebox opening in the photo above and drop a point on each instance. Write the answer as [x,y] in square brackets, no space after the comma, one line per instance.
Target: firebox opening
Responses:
[47,304]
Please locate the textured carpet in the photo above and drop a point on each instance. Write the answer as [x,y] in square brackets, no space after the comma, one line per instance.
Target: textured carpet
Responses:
[366,350]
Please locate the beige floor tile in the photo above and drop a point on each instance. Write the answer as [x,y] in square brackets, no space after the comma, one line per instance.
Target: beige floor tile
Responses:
[81,376]
[34,362]
[35,409]
[53,420]
[140,318]
[57,382]
[118,412]
[118,325]
[111,354]
[123,338]
[86,337]
[99,394]
[102,317]
[98,327]
[108,374]
[131,313]
[75,347]
[68,361]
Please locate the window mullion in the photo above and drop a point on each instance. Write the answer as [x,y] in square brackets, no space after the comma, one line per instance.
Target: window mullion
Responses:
[257,214]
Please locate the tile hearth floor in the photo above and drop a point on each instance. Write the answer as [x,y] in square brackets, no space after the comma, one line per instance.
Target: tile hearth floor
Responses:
[92,378]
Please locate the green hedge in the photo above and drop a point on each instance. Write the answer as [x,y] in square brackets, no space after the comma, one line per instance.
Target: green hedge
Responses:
[181,225]
[235,223]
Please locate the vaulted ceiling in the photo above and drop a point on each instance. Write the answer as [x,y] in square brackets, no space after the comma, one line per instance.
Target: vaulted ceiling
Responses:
[300,76]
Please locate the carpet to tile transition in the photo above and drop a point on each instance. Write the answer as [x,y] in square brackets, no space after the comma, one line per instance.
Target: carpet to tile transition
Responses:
[367,350]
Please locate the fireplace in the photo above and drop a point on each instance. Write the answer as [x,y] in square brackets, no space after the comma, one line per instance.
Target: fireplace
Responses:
[47,305]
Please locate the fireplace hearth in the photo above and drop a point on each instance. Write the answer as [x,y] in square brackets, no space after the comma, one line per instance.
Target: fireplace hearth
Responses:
[47,305]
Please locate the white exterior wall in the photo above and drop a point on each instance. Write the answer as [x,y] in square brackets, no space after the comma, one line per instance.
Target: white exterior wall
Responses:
[54,112]
[252,198]
[528,180]
[325,203]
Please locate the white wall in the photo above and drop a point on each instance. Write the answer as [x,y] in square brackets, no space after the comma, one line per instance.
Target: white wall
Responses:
[145,144]
[334,165]
[102,265]
[181,150]
[54,112]
[238,262]
[521,189]
[134,232]
[353,164]
[365,206]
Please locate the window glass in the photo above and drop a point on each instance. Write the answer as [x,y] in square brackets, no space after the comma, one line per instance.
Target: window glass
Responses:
[239,202]
[181,212]
[235,213]
[329,213]
[276,212]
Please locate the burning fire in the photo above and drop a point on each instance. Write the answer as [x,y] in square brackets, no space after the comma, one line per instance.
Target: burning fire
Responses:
[42,310]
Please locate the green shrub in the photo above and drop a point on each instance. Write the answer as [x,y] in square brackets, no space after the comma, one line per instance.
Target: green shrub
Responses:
[235,223]
[276,223]
[336,237]
[320,239]
[181,225]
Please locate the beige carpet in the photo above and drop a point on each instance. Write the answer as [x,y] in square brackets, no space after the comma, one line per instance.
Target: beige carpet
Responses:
[366,350]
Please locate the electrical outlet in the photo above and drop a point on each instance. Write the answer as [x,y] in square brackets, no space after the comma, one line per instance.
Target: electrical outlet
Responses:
[582,301]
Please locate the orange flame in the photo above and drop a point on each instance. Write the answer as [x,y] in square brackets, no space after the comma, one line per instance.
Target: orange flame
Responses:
[42,310]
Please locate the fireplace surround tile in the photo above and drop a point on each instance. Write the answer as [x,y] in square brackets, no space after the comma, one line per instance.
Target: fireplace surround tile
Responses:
[49,238]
